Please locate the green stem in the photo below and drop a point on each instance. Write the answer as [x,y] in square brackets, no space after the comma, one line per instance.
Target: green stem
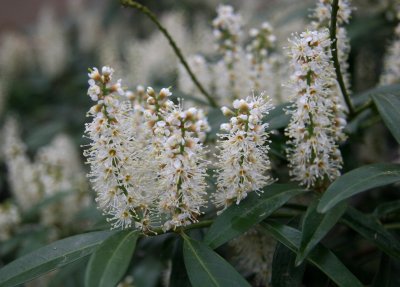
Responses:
[339,76]
[171,41]
[364,107]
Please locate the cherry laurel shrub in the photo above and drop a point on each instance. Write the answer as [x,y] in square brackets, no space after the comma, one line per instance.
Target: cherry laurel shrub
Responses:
[236,181]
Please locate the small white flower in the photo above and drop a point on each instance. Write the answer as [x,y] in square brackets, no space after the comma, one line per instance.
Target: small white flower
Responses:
[243,160]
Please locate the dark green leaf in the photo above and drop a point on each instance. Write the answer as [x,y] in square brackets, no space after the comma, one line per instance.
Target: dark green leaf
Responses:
[207,268]
[284,272]
[179,278]
[73,273]
[315,226]
[277,118]
[321,257]
[50,257]
[362,98]
[389,108]
[387,208]
[388,274]
[358,180]
[111,259]
[239,218]
[372,230]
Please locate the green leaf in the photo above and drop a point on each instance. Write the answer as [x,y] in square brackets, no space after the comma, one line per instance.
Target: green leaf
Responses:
[358,180]
[388,274]
[254,209]
[284,271]
[321,257]
[363,97]
[315,226]
[73,273]
[207,268]
[179,279]
[111,259]
[50,257]
[388,107]
[277,118]
[370,228]
[387,208]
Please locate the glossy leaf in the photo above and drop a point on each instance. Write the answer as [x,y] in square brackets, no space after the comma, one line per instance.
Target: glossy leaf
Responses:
[50,257]
[387,208]
[362,98]
[370,228]
[321,257]
[111,259]
[178,264]
[358,180]
[315,226]
[207,268]
[239,218]
[388,107]
[284,271]
[70,275]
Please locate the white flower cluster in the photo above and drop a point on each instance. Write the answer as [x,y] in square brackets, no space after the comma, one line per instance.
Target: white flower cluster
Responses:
[258,51]
[243,159]
[56,169]
[391,66]
[246,64]
[227,30]
[314,128]
[59,170]
[9,219]
[254,252]
[145,177]
[177,142]
[21,171]
[51,46]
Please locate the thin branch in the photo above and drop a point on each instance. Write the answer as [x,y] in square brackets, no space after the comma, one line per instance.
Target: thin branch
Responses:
[171,41]
[339,76]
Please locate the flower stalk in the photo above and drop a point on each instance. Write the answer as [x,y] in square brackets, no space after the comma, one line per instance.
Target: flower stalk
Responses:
[339,75]
[173,44]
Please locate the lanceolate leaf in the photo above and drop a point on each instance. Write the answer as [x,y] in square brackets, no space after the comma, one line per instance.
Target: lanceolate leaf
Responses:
[372,230]
[50,257]
[387,208]
[388,107]
[239,218]
[111,259]
[362,98]
[284,272]
[207,268]
[315,226]
[358,180]
[321,257]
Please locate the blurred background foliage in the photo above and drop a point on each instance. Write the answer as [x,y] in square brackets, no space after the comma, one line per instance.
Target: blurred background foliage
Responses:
[44,60]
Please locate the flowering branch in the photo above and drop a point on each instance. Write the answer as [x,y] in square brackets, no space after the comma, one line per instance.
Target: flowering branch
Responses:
[171,41]
[339,76]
